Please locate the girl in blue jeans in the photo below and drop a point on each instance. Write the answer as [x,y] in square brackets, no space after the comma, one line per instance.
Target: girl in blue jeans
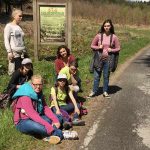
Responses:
[60,95]
[104,43]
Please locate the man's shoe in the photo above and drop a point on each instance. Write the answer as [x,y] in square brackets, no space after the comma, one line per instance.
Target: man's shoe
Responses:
[106,95]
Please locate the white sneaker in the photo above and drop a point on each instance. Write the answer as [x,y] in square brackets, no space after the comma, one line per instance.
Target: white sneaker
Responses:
[106,95]
[70,135]
[92,94]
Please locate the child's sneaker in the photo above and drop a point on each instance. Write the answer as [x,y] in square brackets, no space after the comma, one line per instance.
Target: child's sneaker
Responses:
[70,135]
[78,122]
[52,139]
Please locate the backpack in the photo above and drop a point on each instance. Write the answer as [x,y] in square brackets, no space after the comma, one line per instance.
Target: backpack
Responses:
[96,59]
[113,57]
[95,62]
[5,98]
[6,95]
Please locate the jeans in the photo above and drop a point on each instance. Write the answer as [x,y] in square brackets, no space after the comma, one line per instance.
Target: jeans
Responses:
[69,108]
[97,76]
[35,129]
[60,117]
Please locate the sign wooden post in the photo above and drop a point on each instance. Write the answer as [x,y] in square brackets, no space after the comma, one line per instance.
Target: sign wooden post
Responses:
[69,23]
[35,30]
[52,23]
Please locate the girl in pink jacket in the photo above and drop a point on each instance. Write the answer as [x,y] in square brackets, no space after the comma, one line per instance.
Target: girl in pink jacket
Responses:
[104,43]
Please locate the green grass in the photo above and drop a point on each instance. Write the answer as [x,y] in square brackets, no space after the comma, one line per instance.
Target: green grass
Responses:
[131,39]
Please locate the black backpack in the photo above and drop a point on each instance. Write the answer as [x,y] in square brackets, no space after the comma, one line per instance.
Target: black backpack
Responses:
[5,98]
[113,57]
[96,60]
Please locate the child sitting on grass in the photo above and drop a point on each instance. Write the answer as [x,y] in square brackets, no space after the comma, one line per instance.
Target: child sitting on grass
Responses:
[60,95]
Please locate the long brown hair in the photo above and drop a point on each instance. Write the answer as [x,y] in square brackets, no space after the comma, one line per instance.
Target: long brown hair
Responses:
[66,87]
[60,47]
[102,30]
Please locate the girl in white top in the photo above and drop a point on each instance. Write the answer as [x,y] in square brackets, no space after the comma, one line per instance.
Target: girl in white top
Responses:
[14,41]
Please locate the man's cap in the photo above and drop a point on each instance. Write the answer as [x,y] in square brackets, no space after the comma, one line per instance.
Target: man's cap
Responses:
[61,76]
[26,61]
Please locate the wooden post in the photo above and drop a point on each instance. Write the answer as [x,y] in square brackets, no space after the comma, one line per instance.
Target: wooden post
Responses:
[35,29]
[69,17]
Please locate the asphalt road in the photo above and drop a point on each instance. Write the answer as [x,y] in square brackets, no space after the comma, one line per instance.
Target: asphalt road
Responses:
[124,124]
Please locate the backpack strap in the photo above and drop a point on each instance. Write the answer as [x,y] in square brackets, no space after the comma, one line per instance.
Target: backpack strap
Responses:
[111,36]
[101,38]
[56,91]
